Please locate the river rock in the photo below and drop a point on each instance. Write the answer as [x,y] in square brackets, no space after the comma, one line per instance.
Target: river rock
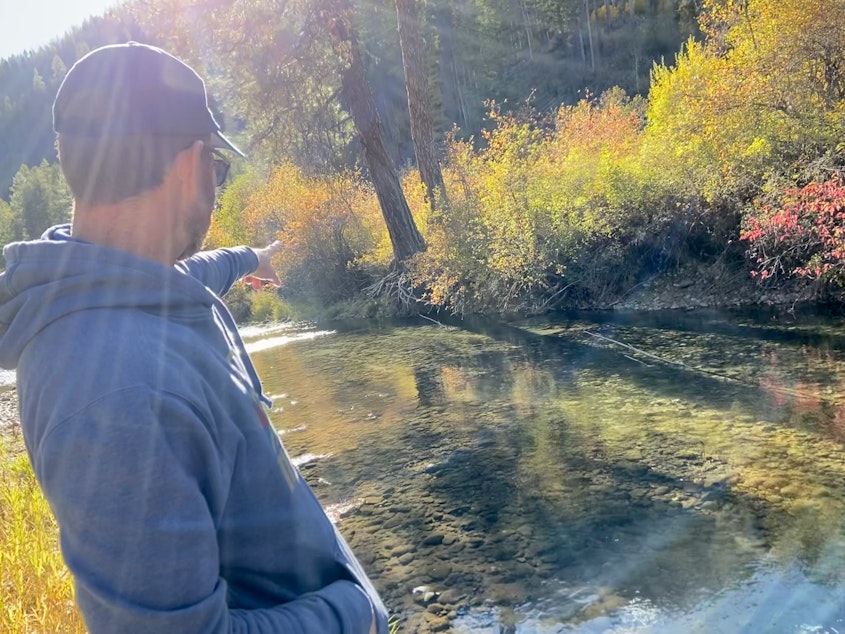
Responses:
[450,596]
[435,539]
[402,549]
[367,558]
[406,558]
[436,623]
[436,608]
[507,594]
[438,571]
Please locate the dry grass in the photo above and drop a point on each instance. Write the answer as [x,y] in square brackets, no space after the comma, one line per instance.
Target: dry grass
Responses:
[36,589]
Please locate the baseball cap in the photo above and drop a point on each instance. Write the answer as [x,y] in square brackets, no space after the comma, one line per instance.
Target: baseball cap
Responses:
[132,88]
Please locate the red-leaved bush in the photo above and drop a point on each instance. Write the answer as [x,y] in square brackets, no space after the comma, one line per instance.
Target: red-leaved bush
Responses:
[803,234]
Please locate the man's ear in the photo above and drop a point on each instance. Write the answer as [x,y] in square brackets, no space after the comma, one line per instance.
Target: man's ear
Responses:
[187,168]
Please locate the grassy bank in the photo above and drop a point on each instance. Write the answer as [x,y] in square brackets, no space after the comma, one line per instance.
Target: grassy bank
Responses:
[36,592]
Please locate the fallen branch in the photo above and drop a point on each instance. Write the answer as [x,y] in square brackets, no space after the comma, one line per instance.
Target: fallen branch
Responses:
[637,350]
[715,375]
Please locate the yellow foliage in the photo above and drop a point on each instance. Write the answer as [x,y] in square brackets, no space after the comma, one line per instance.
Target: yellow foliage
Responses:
[36,589]
[764,89]
[535,207]
[326,224]
[523,207]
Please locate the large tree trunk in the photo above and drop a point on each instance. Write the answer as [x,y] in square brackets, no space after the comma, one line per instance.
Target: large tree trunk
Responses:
[420,105]
[404,235]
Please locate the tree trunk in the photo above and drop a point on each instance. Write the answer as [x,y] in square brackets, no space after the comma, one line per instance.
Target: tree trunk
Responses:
[590,37]
[526,22]
[420,105]
[355,89]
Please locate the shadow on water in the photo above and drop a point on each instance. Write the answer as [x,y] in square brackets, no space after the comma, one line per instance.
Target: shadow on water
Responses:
[510,481]
[819,326]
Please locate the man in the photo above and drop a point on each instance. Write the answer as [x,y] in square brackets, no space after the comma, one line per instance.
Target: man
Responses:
[179,510]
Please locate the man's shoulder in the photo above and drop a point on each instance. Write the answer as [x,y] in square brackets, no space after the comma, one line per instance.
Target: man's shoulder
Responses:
[103,350]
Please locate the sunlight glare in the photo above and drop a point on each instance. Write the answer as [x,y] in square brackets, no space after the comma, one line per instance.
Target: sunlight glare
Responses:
[35,23]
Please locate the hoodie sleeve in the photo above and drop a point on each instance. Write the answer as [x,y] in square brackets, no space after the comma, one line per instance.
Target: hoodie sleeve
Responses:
[221,268]
[136,501]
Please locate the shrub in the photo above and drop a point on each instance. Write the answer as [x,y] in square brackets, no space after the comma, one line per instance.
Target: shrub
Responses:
[268,306]
[239,302]
[801,233]
[546,210]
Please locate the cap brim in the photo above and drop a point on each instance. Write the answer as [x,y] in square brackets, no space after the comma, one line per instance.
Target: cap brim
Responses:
[220,141]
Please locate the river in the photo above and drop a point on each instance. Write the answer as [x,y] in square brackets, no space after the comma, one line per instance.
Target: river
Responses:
[663,472]
[679,472]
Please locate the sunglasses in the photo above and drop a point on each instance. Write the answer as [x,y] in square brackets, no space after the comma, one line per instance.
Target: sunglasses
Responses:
[221,166]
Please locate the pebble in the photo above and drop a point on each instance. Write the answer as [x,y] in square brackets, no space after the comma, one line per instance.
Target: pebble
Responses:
[406,558]
[435,539]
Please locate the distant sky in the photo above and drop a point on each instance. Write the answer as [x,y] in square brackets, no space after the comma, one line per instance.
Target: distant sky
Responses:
[28,24]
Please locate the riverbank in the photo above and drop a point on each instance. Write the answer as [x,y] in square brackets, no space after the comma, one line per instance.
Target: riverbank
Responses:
[9,421]
[719,287]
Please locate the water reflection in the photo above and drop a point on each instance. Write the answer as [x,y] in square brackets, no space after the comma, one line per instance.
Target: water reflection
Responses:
[530,478]
[7,378]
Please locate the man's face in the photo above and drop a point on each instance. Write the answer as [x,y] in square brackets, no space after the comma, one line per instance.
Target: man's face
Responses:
[197,217]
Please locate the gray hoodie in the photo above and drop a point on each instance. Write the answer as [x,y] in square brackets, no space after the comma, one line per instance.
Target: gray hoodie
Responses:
[180,511]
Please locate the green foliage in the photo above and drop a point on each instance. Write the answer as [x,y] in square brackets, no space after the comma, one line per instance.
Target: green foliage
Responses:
[40,199]
[268,306]
[764,91]
[6,228]
[239,302]
[250,305]
[228,226]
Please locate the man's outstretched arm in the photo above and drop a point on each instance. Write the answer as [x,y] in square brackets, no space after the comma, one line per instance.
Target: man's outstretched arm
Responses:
[220,268]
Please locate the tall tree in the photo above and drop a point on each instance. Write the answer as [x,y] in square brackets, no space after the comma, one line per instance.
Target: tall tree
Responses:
[420,103]
[39,199]
[285,59]
[404,235]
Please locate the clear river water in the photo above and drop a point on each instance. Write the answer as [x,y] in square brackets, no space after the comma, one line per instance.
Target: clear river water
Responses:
[677,472]
[661,472]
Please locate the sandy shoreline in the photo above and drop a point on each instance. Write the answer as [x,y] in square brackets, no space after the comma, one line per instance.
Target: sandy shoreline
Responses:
[9,423]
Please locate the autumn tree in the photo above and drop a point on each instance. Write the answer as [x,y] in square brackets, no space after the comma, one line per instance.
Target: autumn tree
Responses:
[763,91]
[404,235]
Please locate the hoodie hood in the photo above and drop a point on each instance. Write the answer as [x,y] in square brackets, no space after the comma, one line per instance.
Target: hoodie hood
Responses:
[57,275]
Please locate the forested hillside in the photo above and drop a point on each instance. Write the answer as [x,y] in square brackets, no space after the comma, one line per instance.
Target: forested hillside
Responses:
[543,50]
